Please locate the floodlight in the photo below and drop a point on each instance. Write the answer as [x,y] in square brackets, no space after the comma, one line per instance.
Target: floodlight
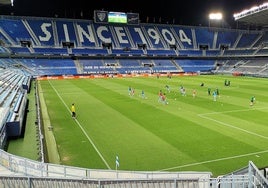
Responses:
[215,16]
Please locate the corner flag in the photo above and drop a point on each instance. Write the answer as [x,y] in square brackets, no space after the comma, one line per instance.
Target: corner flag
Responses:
[117,161]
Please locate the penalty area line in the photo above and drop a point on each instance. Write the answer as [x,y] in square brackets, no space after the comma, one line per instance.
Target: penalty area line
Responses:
[231,111]
[232,126]
[215,160]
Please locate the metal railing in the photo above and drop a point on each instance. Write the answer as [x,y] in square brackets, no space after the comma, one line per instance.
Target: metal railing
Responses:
[28,173]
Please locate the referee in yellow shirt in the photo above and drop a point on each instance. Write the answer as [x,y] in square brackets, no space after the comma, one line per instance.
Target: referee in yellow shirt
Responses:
[73,111]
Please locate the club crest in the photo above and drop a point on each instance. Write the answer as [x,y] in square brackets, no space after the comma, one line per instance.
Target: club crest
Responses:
[101,16]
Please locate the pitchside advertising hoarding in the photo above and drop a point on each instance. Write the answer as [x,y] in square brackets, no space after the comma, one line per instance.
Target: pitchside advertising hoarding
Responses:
[116,17]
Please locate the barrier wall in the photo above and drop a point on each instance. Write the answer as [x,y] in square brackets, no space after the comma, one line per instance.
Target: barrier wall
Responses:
[29,173]
[24,166]
[60,77]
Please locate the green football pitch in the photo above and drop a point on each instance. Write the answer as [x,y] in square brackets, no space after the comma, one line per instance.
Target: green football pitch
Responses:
[187,134]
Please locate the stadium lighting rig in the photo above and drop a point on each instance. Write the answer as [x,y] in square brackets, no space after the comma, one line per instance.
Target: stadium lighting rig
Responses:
[214,17]
[252,10]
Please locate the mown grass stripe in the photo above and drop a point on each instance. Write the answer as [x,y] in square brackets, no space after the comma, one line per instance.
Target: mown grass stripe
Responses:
[83,130]
[144,132]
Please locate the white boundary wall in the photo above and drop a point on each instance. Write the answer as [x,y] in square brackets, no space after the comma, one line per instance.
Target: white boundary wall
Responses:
[28,173]
[33,168]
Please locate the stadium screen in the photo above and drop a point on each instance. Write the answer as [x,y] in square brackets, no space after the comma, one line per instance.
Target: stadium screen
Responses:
[117,17]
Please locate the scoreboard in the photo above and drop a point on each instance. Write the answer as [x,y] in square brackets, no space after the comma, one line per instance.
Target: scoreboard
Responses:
[116,17]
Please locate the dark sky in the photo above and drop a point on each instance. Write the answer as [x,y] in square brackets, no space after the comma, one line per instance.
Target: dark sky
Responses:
[184,12]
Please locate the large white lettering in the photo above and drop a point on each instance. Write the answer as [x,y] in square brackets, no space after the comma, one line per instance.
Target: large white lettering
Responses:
[47,33]
[100,35]
[81,33]
[184,38]
[154,35]
[138,30]
[66,34]
[121,35]
[169,38]
[90,34]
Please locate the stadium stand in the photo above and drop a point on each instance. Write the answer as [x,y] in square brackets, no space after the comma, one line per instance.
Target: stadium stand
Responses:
[13,98]
[77,40]
[35,47]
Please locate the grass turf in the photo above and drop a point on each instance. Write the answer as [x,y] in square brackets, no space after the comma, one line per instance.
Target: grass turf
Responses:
[188,134]
[27,146]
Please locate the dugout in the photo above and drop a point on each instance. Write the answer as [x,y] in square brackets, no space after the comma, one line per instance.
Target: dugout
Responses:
[15,123]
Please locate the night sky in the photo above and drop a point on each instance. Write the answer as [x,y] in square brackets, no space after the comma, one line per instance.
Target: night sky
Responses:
[186,12]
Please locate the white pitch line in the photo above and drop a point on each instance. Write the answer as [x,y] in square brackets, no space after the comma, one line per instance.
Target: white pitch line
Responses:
[229,125]
[231,111]
[215,160]
[83,130]
[234,127]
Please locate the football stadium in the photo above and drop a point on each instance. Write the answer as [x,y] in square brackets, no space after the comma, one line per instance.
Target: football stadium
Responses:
[114,102]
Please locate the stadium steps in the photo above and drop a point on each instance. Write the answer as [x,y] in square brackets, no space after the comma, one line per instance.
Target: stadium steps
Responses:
[31,32]
[178,66]
[10,40]
[79,67]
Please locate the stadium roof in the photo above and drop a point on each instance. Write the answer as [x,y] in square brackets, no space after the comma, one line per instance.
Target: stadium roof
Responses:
[258,19]
[257,16]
